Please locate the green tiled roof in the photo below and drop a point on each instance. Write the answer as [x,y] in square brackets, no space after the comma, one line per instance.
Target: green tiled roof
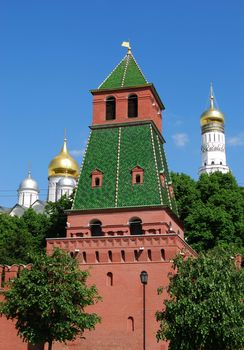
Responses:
[116,150]
[126,74]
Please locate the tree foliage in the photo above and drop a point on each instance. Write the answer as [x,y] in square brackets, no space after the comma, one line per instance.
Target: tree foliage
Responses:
[211,208]
[22,237]
[205,310]
[48,300]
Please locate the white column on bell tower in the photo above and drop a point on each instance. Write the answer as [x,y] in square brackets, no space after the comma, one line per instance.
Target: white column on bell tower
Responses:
[213,140]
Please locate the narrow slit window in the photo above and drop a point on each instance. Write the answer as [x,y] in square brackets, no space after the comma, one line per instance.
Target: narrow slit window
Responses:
[109,279]
[123,255]
[130,324]
[110,108]
[149,254]
[110,256]
[84,256]
[97,256]
[136,255]
[163,254]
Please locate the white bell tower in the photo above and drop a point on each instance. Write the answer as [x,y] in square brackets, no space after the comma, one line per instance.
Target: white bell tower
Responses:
[213,140]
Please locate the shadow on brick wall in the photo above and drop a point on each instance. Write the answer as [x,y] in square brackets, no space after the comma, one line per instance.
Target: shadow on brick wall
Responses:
[35,347]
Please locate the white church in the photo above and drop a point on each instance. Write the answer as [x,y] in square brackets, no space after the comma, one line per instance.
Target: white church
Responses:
[63,173]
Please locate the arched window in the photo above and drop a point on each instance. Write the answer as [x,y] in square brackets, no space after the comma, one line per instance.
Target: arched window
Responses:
[96,227]
[135,226]
[110,108]
[109,279]
[130,324]
[132,106]
[110,256]
[163,254]
[97,181]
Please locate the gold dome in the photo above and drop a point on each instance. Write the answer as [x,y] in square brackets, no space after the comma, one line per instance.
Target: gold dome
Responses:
[63,164]
[212,114]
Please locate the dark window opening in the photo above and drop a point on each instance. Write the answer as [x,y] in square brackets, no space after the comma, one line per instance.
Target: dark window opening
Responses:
[97,181]
[212,162]
[110,256]
[96,228]
[110,108]
[221,163]
[123,255]
[97,256]
[109,279]
[130,324]
[84,257]
[136,255]
[132,106]
[136,226]
[149,254]
[163,254]
[138,179]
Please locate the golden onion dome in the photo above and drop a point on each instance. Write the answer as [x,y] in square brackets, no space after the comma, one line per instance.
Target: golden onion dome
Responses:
[212,114]
[63,164]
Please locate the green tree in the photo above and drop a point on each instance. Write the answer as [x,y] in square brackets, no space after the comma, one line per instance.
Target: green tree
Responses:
[48,300]
[38,226]
[16,243]
[212,210]
[58,216]
[205,310]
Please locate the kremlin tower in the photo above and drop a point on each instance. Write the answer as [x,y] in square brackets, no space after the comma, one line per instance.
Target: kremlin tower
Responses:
[63,172]
[213,140]
[123,226]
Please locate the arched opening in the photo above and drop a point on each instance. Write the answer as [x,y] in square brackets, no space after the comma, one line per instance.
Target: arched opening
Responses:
[163,254]
[96,228]
[109,279]
[130,324]
[135,226]
[110,256]
[132,106]
[110,108]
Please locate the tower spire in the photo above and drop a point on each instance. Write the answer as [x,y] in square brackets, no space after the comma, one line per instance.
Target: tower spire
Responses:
[211,96]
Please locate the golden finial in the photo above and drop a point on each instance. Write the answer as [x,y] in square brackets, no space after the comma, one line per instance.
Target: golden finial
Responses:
[127,44]
[65,138]
[211,96]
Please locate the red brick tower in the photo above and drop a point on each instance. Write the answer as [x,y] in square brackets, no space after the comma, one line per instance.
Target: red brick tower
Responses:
[124,217]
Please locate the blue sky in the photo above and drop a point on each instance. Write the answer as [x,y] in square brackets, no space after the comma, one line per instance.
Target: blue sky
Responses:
[54,52]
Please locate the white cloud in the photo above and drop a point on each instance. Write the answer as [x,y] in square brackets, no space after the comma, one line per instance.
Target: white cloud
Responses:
[237,140]
[180,139]
[77,152]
